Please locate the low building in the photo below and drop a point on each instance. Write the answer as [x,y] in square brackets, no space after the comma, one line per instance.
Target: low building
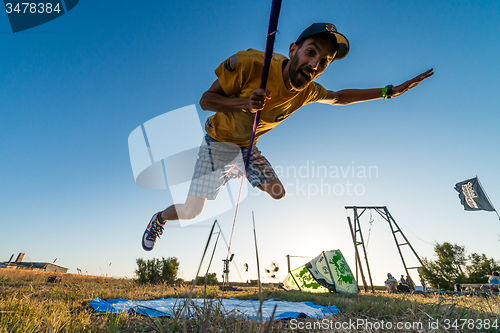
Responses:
[34,266]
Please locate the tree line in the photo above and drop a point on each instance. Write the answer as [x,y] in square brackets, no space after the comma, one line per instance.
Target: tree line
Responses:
[163,270]
[454,266]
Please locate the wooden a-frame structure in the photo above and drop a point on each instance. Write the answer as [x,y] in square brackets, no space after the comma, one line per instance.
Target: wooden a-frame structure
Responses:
[357,238]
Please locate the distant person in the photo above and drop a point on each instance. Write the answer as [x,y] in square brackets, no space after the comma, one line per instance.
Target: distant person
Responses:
[494,278]
[235,96]
[409,281]
[422,282]
[391,283]
[403,285]
[494,283]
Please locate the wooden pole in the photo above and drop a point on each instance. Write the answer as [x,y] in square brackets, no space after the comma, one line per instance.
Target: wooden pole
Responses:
[358,259]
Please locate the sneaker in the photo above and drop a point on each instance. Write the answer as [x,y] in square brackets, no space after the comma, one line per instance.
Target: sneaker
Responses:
[153,231]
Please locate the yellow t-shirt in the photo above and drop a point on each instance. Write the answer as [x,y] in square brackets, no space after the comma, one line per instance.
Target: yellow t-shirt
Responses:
[238,76]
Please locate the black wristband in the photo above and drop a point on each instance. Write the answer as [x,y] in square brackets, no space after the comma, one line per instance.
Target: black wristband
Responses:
[389,90]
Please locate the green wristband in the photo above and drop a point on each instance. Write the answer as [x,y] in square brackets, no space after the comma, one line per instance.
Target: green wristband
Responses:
[387,91]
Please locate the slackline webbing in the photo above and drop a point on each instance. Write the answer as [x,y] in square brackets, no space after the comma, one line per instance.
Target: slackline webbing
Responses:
[268,55]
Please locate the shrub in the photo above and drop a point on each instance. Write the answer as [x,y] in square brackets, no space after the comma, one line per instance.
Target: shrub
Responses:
[156,270]
[211,280]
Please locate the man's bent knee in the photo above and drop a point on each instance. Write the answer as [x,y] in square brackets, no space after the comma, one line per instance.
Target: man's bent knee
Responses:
[277,192]
[278,196]
[275,189]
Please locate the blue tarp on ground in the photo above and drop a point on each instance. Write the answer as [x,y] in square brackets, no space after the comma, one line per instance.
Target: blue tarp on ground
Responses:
[247,308]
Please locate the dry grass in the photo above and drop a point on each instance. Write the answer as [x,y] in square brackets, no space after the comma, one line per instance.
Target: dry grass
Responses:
[28,303]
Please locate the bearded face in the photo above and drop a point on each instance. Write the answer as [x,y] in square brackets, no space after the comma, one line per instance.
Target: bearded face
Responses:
[300,76]
[309,61]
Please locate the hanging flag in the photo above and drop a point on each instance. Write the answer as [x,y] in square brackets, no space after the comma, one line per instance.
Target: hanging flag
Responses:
[472,195]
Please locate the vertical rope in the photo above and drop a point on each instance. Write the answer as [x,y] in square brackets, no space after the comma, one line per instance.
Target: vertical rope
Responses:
[235,214]
[268,55]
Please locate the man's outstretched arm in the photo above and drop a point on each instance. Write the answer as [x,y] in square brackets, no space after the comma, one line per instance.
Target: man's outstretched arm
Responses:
[349,96]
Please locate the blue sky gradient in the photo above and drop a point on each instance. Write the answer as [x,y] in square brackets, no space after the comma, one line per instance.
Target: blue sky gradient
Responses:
[73,89]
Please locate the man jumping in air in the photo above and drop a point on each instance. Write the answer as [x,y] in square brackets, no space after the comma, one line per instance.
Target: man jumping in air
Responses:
[235,96]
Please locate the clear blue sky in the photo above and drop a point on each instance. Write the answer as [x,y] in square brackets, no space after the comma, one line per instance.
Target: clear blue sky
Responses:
[72,90]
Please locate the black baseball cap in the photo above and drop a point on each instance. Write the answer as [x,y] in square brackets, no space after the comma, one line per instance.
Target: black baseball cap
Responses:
[318,28]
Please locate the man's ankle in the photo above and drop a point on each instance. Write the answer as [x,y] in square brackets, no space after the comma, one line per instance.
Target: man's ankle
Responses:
[161,219]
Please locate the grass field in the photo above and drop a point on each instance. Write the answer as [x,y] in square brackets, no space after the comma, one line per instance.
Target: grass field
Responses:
[28,303]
